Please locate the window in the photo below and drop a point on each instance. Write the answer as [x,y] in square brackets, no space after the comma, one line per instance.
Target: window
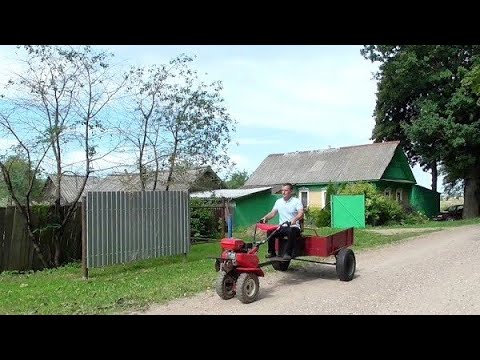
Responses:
[388,193]
[324,198]
[304,197]
[399,195]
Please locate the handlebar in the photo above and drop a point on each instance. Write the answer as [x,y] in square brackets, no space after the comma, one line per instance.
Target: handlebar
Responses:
[284,224]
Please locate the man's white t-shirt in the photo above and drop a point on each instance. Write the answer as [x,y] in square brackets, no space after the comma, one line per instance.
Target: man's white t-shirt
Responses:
[287,210]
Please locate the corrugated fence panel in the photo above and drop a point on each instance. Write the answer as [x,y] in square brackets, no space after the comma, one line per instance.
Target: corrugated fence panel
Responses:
[127,226]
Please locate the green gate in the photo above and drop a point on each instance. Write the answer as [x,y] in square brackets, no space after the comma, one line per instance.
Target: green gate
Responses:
[348,211]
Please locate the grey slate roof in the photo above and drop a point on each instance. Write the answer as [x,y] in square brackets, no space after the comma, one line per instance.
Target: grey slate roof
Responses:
[228,193]
[71,184]
[128,182]
[351,163]
[131,182]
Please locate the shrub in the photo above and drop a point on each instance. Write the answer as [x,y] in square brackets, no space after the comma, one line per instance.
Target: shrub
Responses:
[416,217]
[317,217]
[203,221]
[379,210]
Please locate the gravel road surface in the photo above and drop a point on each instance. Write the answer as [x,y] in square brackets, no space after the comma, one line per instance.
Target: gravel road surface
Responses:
[436,273]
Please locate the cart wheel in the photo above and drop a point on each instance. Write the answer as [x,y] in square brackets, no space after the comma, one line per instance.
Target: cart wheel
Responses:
[346,264]
[247,287]
[281,265]
[225,286]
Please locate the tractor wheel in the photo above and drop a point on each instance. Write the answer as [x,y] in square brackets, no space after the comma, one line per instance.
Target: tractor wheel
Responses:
[281,265]
[346,264]
[225,286]
[247,287]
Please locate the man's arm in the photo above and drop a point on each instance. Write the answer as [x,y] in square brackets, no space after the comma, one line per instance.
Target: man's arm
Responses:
[298,217]
[300,212]
[270,215]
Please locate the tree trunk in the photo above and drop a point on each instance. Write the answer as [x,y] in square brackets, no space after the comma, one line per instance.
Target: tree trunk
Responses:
[56,242]
[434,176]
[57,233]
[471,207]
[37,249]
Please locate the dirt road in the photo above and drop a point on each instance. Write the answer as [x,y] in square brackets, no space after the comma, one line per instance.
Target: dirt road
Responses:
[437,273]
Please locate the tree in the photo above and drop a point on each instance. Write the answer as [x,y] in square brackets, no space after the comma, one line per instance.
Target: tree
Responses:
[52,106]
[147,91]
[179,122]
[454,189]
[423,101]
[19,173]
[237,179]
[195,125]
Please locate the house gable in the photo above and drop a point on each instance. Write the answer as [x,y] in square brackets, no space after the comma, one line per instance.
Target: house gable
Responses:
[399,169]
[207,180]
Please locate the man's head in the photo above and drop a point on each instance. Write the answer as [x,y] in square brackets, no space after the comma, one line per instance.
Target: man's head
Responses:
[287,190]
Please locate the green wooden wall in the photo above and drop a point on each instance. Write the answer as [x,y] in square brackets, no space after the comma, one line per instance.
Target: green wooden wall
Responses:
[425,200]
[250,209]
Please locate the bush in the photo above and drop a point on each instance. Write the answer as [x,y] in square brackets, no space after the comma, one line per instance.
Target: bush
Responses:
[203,221]
[416,217]
[332,189]
[379,210]
[317,217]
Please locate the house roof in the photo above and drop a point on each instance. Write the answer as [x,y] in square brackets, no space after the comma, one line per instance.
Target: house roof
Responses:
[351,163]
[228,193]
[71,184]
[131,182]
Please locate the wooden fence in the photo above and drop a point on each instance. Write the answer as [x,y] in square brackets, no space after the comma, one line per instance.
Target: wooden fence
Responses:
[16,249]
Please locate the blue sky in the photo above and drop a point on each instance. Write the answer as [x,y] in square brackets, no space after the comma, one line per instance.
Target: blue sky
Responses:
[285,98]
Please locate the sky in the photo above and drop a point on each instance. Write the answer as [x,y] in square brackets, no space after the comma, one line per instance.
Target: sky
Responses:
[284,98]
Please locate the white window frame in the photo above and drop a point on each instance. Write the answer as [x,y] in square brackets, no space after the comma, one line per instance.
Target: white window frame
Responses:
[323,194]
[300,191]
[388,192]
[399,191]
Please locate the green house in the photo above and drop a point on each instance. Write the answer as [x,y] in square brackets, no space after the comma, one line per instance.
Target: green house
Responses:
[247,206]
[383,164]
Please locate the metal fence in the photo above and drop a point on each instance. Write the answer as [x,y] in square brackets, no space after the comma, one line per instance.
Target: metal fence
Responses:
[126,226]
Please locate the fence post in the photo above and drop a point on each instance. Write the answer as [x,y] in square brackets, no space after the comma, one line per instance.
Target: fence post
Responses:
[84,239]
[229,221]
[224,218]
[229,224]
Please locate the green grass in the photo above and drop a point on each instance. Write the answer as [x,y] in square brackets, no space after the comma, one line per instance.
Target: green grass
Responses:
[113,289]
[434,224]
[134,286]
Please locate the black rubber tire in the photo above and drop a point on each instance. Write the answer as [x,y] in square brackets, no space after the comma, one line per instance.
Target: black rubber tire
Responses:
[225,285]
[281,265]
[346,264]
[247,287]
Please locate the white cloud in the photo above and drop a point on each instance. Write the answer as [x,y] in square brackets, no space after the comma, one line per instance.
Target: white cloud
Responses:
[242,162]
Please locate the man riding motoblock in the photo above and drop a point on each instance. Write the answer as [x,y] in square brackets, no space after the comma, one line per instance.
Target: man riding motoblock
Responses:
[289,209]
